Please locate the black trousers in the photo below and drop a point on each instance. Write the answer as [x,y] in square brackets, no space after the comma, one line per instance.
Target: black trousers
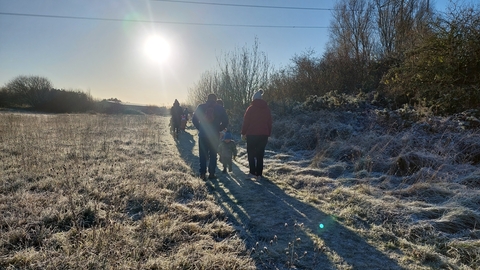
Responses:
[255,152]
[207,147]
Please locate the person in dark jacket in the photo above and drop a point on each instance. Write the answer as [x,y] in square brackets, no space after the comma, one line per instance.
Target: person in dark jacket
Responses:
[176,114]
[256,128]
[210,119]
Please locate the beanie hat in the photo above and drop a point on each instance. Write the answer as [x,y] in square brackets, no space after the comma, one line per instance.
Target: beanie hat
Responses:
[258,95]
[227,136]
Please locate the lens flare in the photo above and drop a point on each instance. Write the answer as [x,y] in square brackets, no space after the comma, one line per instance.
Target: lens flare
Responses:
[129,22]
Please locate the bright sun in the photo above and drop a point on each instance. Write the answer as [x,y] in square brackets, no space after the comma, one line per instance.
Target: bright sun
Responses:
[157,49]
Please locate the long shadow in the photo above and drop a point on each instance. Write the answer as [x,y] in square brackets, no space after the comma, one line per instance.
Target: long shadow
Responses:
[267,235]
[185,144]
[282,232]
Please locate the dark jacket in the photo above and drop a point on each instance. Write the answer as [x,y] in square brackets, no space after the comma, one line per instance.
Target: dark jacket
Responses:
[219,123]
[257,119]
[176,113]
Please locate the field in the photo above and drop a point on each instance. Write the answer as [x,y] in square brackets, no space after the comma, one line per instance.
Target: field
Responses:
[341,192]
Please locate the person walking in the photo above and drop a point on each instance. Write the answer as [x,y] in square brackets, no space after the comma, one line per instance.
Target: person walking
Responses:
[209,119]
[256,128]
[183,123]
[176,118]
[227,150]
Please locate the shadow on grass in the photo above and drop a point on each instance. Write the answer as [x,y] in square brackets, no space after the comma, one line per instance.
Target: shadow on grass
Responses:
[185,144]
[281,231]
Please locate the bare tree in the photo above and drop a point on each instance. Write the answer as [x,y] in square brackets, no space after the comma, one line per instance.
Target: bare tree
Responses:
[401,23]
[243,71]
[307,75]
[280,89]
[352,29]
[209,83]
[299,80]
[30,90]
[351,42]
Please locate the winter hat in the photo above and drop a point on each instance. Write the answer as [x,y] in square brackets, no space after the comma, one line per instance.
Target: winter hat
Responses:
[227,136]
[258,95]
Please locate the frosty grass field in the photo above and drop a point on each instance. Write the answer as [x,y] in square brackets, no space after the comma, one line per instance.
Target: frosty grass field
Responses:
[342,191]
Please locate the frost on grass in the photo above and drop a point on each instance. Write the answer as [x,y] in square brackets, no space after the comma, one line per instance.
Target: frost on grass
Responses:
[417,179]
[105,192]
[85,191]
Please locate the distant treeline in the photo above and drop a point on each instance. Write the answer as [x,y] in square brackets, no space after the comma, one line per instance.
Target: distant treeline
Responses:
[37,94]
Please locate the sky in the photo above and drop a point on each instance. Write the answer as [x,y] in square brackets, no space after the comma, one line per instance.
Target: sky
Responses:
[100,47]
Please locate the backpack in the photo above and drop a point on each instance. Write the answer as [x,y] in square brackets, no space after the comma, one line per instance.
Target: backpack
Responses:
[210,113]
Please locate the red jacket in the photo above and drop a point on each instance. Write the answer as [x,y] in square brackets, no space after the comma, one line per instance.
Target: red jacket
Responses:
[257,119]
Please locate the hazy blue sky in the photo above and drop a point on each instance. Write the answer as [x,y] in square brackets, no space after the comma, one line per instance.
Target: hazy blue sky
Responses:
[95,45]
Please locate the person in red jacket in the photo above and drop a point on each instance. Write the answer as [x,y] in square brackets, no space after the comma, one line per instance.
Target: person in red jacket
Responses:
[256,128]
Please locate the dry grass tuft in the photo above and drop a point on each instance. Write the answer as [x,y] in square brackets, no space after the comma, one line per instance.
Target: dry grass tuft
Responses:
[466,252]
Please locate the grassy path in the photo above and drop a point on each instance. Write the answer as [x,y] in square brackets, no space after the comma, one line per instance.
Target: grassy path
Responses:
[280,230]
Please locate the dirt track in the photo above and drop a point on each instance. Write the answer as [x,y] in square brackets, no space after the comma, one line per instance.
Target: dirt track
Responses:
[280,230]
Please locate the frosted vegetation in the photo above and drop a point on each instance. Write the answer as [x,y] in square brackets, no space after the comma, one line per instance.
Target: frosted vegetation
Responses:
[410,185]
[100,192]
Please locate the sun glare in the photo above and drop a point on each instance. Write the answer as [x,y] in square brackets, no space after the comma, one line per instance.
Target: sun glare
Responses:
[157,49]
